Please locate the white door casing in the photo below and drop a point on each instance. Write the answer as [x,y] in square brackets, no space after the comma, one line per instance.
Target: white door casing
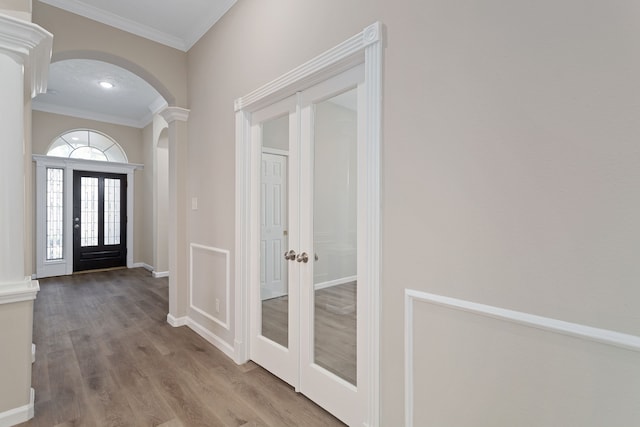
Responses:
[64,266]
[364,48]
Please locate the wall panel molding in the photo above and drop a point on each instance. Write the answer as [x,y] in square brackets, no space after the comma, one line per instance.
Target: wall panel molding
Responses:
[575,330]
[211,316]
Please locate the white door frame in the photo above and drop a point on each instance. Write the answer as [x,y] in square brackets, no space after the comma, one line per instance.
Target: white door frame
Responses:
[363,48]
[64,266]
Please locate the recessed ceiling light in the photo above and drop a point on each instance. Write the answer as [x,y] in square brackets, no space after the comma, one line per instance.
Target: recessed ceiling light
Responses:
[106,85]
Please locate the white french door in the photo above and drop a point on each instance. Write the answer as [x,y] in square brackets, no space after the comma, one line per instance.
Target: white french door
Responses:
[312,333]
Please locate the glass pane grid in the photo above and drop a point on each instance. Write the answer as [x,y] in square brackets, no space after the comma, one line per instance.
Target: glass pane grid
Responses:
[89,211]
[55,208]
[111,211]
[87,145]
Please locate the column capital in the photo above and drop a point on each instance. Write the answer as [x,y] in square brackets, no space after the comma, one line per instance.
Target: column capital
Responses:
[29,45]
[171,114]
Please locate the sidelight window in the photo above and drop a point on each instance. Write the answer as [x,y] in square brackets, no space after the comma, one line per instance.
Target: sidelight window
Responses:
[54,212]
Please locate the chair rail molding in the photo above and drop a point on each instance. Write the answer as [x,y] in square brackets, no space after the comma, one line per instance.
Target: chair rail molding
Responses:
[411,296]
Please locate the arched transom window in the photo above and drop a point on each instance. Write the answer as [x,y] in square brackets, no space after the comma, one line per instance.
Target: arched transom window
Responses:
[88,145]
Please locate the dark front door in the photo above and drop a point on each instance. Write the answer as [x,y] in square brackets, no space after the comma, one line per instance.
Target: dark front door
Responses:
[99,220]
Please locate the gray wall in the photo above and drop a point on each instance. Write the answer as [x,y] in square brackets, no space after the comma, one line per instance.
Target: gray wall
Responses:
[510,176]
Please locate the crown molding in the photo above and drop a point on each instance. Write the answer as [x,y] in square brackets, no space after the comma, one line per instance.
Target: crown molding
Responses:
[171,114]
[199,31]
[181,43]
[116,21]
[29,45]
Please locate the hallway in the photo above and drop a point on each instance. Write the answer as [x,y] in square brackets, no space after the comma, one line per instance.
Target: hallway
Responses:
[106,356]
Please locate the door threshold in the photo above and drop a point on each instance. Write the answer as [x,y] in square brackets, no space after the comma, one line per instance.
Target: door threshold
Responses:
[98,270]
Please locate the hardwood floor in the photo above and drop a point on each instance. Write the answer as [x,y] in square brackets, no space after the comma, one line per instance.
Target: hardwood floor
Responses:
[106,357]
[335,321]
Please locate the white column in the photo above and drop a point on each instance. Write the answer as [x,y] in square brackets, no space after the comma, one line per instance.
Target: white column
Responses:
[25,48]
[25,52]
[177,117]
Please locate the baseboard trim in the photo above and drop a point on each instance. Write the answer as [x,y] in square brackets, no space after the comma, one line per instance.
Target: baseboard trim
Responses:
[159,274]
[176,322]
[336,282]
[19,415]
[212,338]
[143,265]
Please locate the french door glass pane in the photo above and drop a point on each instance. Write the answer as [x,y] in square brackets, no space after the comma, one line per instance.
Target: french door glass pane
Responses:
[55,208]
[89,211]
[274,287]
[335,234]
[111,211]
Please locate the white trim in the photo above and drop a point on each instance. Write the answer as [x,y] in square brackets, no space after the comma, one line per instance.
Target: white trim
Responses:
[224,323]
[176,322]
[340,58]
[29,45]
[212,338]
[172,114]
[336,282]
[143,265]
[242,236]
[276,151]
[124,24]
[365,47]
[65,266]
[575,330]
[159,274]
[19,415]
[183,43]
[25,290]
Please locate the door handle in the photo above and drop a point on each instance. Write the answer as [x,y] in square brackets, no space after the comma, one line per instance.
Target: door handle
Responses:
[291,255]
[303,257]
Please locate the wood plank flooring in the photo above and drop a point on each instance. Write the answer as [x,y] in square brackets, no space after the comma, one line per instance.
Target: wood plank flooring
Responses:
[106,357]
[335,320]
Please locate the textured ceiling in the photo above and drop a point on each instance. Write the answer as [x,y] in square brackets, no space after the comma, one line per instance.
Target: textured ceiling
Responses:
[74,90]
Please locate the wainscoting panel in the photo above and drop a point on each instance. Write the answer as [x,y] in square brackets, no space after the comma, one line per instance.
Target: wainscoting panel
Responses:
[210,283]
[469,364]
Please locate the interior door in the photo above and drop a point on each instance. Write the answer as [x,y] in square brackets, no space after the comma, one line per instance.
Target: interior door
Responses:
[332,290]
[274,321]
[273,224]
[312,335]
[99,220]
